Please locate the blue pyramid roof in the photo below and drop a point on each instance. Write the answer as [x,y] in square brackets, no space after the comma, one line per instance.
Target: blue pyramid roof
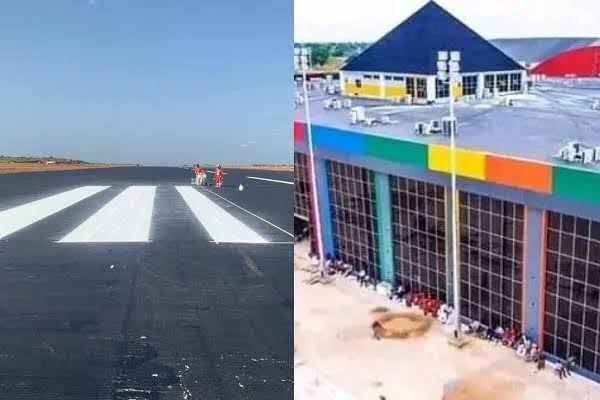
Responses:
[412,46]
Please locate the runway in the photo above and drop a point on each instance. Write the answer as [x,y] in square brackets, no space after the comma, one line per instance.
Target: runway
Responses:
[129,283]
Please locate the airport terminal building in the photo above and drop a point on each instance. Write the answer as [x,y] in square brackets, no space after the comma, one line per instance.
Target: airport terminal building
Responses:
[529,221]
[403,63]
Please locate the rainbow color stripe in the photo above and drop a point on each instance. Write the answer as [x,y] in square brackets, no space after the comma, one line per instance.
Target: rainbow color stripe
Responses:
[535,176]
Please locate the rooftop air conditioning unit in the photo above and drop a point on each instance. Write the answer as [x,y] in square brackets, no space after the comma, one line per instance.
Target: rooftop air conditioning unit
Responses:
[328,103]
[421,128]
[331,90]
[357,114]
[435,126]
[347,103]
[337,104]
[597,153]
[508,102]
[449,126]
[588,156]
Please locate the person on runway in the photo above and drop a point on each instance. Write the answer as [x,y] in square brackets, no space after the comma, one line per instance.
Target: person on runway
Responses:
[218,176]
[198,173]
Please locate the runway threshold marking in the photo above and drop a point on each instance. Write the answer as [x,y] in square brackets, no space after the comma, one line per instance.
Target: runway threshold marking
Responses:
[17,218]
[249,212]
[270,180]
[126,218]
[220,225]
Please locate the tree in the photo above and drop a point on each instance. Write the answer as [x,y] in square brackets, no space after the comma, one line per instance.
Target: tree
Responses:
[319,54]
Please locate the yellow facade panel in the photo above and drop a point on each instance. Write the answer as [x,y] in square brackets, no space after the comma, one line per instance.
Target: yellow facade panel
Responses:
[366,89]
[395,91]
[469,163]
[457,91]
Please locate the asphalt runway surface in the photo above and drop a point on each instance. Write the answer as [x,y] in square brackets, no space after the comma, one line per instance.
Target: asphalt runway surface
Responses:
[111,287]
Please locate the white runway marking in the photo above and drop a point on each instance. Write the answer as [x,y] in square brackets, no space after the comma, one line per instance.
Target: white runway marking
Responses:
[254,215]
[17,218]
[220,225]
[126,218]
[270,180]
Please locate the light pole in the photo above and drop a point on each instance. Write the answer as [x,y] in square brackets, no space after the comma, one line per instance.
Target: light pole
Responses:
[302,62]
[449,71]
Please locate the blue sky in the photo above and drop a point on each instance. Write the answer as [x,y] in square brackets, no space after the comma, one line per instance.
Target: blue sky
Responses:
[160,82]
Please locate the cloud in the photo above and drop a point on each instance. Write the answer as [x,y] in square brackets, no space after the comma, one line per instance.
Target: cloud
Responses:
[243,145]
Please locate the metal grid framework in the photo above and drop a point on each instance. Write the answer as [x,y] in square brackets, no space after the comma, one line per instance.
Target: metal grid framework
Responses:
[353,215]
[469,84]
[515,82]
[419,238]
[572,298]
[442,89]
[491,260]
[302,189]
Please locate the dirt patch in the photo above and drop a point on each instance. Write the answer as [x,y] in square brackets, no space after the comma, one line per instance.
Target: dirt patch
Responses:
[14,167]
[483,387]
[403,325]
[380,309]
[286,168]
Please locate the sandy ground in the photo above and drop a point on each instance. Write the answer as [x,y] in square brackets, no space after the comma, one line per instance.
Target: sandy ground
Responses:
[337,358]
[262,167]
[10,167]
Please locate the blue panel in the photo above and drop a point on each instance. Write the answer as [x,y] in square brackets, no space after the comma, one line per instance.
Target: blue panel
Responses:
[412,46]
[338,140]
[324,208]
[532,283]
[384,227]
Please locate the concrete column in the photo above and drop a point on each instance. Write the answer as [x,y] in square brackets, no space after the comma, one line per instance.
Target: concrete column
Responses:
[524,87]
[533,273]
[431,88]
[324,205]
[480,85]
[384,227]
[342,83]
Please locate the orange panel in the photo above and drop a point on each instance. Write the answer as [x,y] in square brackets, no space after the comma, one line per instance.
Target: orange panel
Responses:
[517,173]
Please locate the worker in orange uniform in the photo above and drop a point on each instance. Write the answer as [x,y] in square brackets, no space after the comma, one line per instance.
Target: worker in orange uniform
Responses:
[218,176]
[198,173]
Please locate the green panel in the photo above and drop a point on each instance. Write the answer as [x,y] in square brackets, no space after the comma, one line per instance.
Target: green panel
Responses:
[384,227]
[395,150]
[576,184]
